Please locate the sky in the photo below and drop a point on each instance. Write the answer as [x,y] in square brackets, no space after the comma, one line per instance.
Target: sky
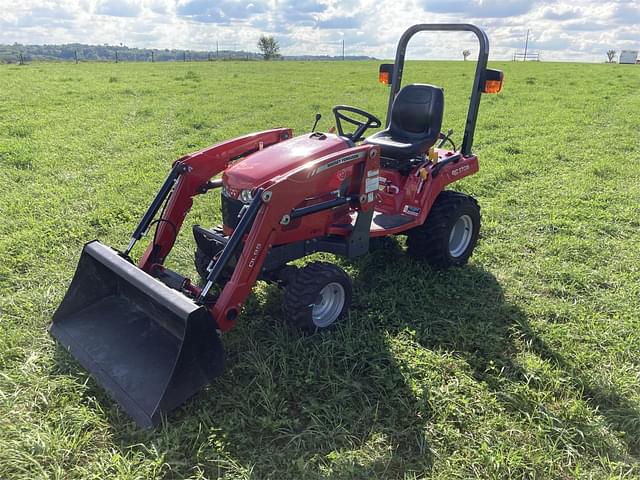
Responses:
[559,30]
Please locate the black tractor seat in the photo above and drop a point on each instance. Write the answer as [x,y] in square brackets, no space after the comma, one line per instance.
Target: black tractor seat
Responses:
[416,118]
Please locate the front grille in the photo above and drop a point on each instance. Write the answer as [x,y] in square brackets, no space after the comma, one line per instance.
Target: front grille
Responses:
[230,211]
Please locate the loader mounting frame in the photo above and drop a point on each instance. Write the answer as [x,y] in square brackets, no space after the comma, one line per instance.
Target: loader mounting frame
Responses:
[253,238]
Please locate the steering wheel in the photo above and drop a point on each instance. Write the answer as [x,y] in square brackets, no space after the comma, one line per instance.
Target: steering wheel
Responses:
[361,126]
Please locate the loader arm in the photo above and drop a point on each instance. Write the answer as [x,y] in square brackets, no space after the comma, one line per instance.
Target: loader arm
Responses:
[194,171]
[278,199]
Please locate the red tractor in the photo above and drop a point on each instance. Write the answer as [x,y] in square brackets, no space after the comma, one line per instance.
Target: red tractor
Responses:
[151,337]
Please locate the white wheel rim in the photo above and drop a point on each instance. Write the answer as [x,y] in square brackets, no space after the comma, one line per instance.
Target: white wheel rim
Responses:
[328,305]
[460,236]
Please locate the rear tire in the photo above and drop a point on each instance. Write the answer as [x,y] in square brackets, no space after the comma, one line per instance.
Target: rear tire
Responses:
[317,296]
[449,234]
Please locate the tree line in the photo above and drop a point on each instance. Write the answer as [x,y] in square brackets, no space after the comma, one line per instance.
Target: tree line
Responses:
[80,52]
[268,46]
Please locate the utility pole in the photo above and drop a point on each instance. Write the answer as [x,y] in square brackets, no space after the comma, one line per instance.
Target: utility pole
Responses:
[116,56]
[21,59]
[152,59]
[526,45]
[343,49]
[76,55]
[217,52]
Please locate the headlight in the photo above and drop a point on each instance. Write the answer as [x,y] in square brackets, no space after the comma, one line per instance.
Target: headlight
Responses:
[245,196]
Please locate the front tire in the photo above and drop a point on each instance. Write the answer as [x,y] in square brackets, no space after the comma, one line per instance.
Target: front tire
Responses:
[317,296]
[449,234]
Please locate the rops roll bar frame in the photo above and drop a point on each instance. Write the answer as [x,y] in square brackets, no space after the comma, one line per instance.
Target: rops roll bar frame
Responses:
[478,82]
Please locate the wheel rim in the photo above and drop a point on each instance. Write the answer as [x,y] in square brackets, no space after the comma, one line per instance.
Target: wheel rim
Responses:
[460,236]
[328,305]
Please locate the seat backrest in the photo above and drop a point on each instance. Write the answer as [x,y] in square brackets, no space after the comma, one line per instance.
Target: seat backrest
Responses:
[417,112]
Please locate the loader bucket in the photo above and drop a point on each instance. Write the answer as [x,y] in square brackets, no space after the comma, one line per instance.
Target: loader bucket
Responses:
[149,346]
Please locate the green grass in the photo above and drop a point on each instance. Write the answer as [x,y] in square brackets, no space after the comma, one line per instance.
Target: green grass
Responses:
[524,364]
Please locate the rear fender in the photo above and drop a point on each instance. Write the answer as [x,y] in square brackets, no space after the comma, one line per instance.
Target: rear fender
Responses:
[456,171]
[420,195]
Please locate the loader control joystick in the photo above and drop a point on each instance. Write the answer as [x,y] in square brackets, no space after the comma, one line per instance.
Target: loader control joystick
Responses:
[361,126]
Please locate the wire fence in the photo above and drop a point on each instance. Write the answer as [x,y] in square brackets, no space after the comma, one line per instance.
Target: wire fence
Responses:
[119,56]
[77,52]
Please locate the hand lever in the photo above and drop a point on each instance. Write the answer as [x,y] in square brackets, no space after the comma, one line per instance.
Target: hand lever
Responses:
[318,117]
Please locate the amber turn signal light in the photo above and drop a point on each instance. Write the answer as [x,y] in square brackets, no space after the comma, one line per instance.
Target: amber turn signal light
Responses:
[492,86]
[385,73]
[493,81]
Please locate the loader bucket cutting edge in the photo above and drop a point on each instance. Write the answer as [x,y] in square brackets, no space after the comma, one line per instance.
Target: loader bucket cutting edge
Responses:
[149,346]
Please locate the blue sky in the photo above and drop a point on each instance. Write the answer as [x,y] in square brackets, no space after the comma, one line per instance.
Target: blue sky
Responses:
[560,30]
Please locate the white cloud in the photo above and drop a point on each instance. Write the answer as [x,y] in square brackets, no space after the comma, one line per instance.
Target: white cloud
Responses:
[118,8]
[480,8]
[560,30]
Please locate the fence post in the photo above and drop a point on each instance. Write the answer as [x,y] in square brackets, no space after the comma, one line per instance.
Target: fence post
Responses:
[116,56]
[76,55]
[151,56]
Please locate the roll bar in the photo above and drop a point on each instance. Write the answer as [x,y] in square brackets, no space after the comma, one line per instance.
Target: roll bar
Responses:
[478,82]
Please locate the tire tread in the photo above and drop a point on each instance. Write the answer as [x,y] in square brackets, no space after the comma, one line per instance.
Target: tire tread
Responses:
[303,289]
[429,242]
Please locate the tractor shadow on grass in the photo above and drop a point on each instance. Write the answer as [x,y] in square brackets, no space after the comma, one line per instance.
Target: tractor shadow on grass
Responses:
[342,403]
[288,406]
[463,311]
[354,402]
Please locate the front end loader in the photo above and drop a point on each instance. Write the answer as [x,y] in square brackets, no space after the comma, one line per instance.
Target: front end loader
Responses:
[151,336]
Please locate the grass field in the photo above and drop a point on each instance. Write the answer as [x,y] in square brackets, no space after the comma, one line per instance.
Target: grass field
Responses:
[523,364]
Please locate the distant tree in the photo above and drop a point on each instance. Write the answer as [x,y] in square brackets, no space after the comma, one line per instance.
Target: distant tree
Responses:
[269,47]
[611,55]
[466,53]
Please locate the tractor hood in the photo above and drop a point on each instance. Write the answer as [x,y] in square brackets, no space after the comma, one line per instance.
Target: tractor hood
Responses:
[279,159]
